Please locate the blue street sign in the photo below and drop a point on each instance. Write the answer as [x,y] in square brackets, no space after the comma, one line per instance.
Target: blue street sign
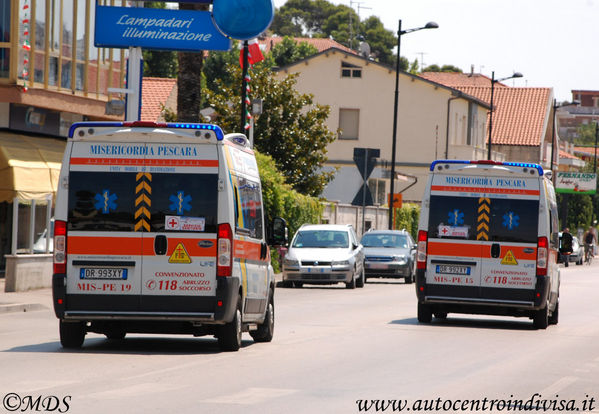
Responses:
[243,19]
[162,29]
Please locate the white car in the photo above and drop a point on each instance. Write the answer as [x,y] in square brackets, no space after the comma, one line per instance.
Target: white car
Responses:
[324,254]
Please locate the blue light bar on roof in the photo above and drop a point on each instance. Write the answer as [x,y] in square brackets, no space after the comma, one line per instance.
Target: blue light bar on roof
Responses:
[487,162]
[142,124]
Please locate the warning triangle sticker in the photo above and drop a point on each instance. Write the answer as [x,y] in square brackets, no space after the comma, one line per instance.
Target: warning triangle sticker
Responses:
[179,255]
[509,259]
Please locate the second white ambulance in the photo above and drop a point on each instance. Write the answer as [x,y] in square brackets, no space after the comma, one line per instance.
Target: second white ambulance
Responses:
[488,242]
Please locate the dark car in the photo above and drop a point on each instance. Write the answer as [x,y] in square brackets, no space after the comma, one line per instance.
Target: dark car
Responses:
[389,253]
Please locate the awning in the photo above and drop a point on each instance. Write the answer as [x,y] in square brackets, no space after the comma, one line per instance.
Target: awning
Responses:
[29,166]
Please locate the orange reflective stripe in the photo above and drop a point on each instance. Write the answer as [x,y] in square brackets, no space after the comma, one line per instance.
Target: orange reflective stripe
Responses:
[122,246]
[145,162]
[246,250]
[482,250]
[484,190]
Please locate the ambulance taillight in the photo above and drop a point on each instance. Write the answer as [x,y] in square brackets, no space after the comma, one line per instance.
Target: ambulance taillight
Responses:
[542,254]
[421,254]
[224,250]
[60,247]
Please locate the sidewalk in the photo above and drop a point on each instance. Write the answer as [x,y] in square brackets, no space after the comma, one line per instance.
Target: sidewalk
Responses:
[28,301]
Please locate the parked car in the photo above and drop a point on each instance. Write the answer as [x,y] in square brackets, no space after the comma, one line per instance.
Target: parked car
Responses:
[389,253]
[324,254]
[577,255]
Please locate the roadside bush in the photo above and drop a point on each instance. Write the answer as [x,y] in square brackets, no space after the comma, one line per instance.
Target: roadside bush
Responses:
[282,201]
[407,217]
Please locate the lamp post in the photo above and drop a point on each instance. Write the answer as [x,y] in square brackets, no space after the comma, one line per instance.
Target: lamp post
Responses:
[429,25]
[493,81]
[555,106]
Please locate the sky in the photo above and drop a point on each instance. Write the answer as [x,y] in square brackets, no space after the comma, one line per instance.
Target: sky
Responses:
[553,43]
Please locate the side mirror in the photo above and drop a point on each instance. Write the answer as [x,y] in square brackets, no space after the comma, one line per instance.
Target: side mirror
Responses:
[278,232]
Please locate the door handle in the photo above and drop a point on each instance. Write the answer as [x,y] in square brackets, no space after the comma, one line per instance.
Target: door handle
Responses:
[495,250]
[160,244]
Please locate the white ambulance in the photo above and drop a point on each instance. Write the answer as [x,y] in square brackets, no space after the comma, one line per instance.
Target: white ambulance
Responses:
[488,242]
[159,228]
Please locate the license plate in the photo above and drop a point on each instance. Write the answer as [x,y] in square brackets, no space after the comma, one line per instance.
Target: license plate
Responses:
[377,266]
[102,273]
[453,269]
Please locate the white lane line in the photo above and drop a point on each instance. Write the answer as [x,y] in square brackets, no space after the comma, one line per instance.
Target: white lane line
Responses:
[251,396]
[557,386]
[134,390]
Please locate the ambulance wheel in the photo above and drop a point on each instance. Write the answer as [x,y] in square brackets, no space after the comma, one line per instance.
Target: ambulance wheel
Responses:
[229,335]
[441,315]
[554,318]
[425,314]
[541,318]
[266,330]
[360,282]
[298,284]
[72,334]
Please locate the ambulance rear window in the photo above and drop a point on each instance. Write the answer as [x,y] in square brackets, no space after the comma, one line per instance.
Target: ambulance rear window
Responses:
[128,201]
[492,219]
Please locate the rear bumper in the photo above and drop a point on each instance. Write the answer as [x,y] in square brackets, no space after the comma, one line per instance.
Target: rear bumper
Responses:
[465,299]
[217,309]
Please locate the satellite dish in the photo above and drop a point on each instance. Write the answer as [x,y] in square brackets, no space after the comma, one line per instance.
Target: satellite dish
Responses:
[364,49]
[242,19]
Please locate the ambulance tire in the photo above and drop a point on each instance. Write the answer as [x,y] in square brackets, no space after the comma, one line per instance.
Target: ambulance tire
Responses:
[441,315]
[541,318]
[229,335]
[360,282]
[554,318]
[425,314]
[266,330]
[72,334]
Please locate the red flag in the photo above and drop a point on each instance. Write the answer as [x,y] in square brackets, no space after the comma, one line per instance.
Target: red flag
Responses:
[254,53]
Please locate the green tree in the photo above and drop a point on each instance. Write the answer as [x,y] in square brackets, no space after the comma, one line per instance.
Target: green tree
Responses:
[189,78]
[586,135]
[159,63]
[288,51]
[579,211]
[320,18]
[444,68]
[291,128]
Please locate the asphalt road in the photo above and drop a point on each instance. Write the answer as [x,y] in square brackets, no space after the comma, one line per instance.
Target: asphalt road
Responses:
[333,347]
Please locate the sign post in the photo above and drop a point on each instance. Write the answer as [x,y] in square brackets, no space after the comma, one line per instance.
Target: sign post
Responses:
[365,159]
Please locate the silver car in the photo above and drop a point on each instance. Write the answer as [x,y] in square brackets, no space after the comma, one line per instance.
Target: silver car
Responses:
[389,253]
[324,254]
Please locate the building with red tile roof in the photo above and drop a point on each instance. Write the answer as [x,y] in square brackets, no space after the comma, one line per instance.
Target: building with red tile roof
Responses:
[522,127]
[156,92]
[322,44]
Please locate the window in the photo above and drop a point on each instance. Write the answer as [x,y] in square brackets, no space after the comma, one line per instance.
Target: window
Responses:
[350,71]
[377,188]
[248,214]
[100,201]
[511,220]
[321,239]
[349,123]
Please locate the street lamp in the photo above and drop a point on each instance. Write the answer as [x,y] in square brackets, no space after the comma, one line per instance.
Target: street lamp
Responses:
[555,106]
[493,81]
[429,25]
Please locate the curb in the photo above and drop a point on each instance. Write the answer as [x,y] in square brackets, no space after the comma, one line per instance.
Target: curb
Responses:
[21,307]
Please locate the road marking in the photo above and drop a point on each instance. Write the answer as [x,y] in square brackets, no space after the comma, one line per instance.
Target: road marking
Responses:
[251,396]
[558,386]
[137,389]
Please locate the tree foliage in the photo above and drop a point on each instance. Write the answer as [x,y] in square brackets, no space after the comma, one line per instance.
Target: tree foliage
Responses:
[444,68]
[586,135]
[292,127]
[320,18]
[579,210]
